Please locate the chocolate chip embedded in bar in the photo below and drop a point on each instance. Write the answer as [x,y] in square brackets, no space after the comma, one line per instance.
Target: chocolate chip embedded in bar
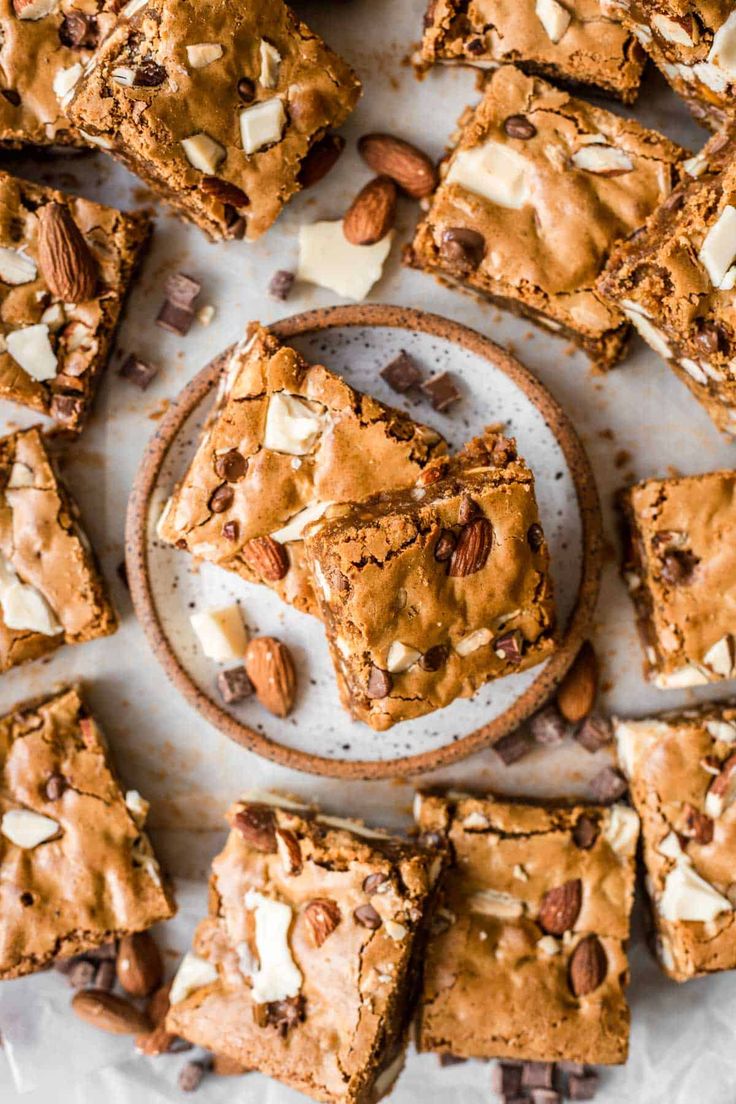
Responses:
[281,284]
[441,390]
[138,372]
[608,785]
[402,373]
[234,685]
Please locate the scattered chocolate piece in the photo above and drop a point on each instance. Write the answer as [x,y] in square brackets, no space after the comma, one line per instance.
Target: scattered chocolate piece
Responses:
[506,1079]
[367,916]
[451,1060]
[512,747]
[509,646]
[281,284]
[445,545]
[234,685]
[177,313]
[177,320]
[67,408]
[283,1015]
[594,733]
[81,974]
[548,726]
[535,537]
[221,498]
[78,29]
[585,833]
[678,566]
[467,510]
[582,1086]
[138,372]
[434,658]
[441,391]
[538,1075]
[190,1076]
[230,530]
[105,975]
[379,683]
[372,884]
[402,373]
[11,96]
[231,465]
[519,126]
[246,89]
[608,785]
[462,248]
[150,74]
[55,786]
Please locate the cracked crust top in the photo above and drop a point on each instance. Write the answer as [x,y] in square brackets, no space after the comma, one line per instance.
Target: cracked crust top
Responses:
[530,161]
[348,901]
[526,958]
[286,442]
[93,876]
[51,590]
[590,45]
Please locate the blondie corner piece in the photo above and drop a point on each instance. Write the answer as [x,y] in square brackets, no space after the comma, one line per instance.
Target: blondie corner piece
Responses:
[287,443]
[680,568]
[676,279]
[693,43]
[682,774]
[51,589]
[216,106]
[76,868]
[526,958]
[578,43]
[531,162]
[431,592]
[45,46]
[66,265]
[306,966]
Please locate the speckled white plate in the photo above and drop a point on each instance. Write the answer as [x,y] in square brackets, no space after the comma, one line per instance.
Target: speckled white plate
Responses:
[168,585]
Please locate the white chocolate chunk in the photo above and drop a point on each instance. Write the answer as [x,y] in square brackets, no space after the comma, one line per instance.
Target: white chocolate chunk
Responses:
[719,657]
[278,976]
[202,54]
[695,166]
[137,806]
[718,251]
[16,267]
[203,153]
[694,370]
[262,124]
[492,902]
[723,51]
[722,730]
[24,608]
[476,820]
[710,75]
[401,657]
[353,826]
[65,81]
[293,424]
[328,259]
[633,738]
[194,973]
[132,7]
[294,529]
[473,641]
[97,139]
[670,847]
[687,896]
[221,632]
[270,65]
[648,331]
[36,9]
[394,930]
[27,829]
[494,172]
[20,476]
[554,18]
[622,829]
[680,679]
[548,945]
[124,76]
[671,31]
[54,316]
[596,158]
[30,347]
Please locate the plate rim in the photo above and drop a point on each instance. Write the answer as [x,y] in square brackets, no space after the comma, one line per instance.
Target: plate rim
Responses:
[551,673]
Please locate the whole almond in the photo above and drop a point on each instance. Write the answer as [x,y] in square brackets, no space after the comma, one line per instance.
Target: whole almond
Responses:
[64,258]
[289,851]
[109,1012]
[560,907]
[267,557]
[270,668]
[472,548]
[323,916]
[257,825]
[577,692]
[139,966]
[159,1040]
[408,166]
[588,966]
[372,213]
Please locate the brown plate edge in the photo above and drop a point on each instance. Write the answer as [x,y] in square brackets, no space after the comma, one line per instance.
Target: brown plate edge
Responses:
[136,548]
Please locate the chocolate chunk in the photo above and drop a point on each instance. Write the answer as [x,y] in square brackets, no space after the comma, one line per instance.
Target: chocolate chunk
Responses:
[67,409]
[177,320]
[182,289]
[81,974]
[373,883]
[230,530]
[441,391]
[462,248]
[535,537]
[11,96]
[320,159]
[509,646]
[594,733]
[246,89]
[466,510]
[225,192]
[283,1015]
[548,726]
[221,499]
[538,1075]
[475,45]
[78,29]
[402,373]
[55,785]
[697,826]
[678,566]
[585,832]
[231,466]
[367,916]
[257,826]
[379,683]
[149,74]
[512,747]
[445,545]
[712,337]
[451,1060]
[281,284]
[506,1079]
[190,1075]
[234,685]
[582,1086]
[519,126]
[608,785]
[105,975]
[138,372]
[434,658]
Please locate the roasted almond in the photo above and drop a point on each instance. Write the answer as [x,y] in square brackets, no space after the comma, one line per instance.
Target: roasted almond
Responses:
[323,916]
[158,1041]
[267,557]
[271,670]
[109,1012]
[472,548]
[577,692]
[408,166]
[64,258]
[257,826]
[372,213]
[560,907]
[588,966]
[139,967]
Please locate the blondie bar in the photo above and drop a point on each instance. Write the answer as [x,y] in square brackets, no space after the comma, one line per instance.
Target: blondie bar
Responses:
[305,968]
[287,442]
[429,593]
[527,954]
[530,162]
[76,868]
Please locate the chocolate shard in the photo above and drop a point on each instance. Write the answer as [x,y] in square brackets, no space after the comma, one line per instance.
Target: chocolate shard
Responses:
[594,733]
[281,284]
[234,685]
[138,372]
[512,747]
[175,319]
[441,390]
[548,726]
[608,785]
[402,373]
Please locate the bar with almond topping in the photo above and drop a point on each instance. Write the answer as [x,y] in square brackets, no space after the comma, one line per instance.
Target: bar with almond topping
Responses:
[306,966]
[526,957]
